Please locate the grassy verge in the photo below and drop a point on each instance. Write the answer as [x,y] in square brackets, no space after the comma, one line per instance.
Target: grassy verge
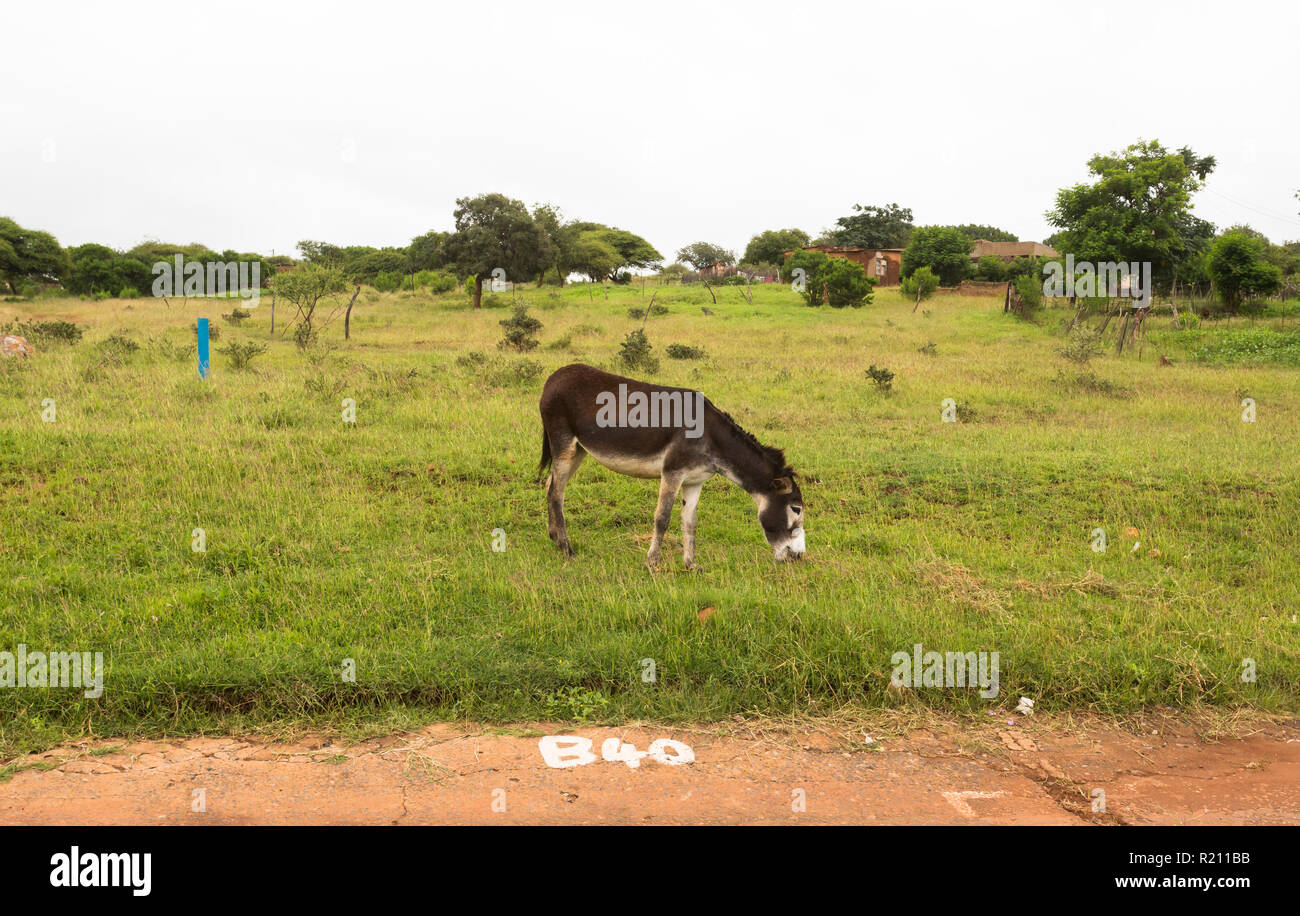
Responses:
[373,542]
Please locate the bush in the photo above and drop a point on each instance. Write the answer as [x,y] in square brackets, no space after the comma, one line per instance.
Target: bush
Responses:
[920,285]
[1027,297]
[236,316]
[240,355]
[883,378]
[117,349]
[387,281]
[655,311]
[214,330]
[636,352]
[45,331]
[1082,345]
[521,331]
[837,282]
[436,281]
[682,351]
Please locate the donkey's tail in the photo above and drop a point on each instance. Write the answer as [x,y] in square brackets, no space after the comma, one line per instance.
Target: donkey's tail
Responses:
[546,456]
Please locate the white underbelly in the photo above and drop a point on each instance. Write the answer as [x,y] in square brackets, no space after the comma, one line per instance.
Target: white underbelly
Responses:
[631,465]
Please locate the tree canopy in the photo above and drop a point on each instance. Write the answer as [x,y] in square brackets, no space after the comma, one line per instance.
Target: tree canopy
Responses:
[1137,208]
[770,246]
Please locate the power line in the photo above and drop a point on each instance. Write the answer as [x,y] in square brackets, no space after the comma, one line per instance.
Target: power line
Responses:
[1259,210]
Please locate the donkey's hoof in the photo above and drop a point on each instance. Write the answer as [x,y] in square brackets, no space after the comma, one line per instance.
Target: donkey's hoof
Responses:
[691,566]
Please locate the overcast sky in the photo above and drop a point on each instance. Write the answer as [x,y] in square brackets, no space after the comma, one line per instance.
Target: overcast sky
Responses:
[361,123]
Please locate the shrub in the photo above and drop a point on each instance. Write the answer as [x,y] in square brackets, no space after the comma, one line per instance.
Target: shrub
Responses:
[117,349]
[883,378]
[45,331]
[214,331]
[387,281]
[920,285]
[655,311]
[1082,346]
[837,282]
[1027,297]
[930,349]
[240,355]
[236,316]
[682,351]
[636,352]
[521,331]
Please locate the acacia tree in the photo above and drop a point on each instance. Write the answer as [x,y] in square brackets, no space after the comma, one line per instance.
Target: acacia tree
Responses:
[495,232]
[28,254]
[705,254]
[594,256]
[1137,208]
[633,250]
[305,288]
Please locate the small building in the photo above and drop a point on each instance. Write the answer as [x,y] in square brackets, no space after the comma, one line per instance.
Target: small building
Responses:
[1009,251]
[884,265]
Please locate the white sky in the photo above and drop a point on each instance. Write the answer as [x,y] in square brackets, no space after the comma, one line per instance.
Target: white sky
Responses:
[361,123]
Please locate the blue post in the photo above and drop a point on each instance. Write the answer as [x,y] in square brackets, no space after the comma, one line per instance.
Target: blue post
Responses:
[203,348]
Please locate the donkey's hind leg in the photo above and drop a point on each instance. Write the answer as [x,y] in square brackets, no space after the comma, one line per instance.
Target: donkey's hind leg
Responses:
[564,462]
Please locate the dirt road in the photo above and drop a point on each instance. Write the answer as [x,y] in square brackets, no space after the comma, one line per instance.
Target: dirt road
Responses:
[989,772]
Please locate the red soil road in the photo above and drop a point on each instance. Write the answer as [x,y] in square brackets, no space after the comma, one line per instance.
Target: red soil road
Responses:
[1032,772]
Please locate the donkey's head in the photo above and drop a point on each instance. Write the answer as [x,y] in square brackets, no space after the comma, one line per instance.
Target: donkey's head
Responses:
[780,512]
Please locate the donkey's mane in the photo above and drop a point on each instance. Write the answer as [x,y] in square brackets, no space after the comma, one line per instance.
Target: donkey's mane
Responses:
[775,455]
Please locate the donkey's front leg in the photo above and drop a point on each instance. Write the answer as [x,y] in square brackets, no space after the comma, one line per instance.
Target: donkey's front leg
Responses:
[668,487]
[690,502]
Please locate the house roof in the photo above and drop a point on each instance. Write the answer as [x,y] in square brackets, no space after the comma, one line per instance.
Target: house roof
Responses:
[984,248]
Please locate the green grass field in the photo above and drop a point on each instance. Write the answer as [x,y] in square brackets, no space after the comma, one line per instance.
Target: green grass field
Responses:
[373,542]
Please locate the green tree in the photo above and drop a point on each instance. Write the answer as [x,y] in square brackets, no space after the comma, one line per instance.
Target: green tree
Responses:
[1239,271]
[305,288]
[367,267]
[426,252]
[561,237]
[1137,208]
[821,279]
[770,246]
[943,249]
[29,254]
[987,233]
[495,232]
[634,251]
[99,269]
[705,254]
[592,255]
[873,227]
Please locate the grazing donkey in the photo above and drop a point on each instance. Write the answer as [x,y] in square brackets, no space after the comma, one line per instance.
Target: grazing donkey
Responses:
[675,434]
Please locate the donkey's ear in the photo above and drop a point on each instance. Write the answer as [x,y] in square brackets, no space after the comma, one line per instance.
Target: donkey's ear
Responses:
[782,484]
